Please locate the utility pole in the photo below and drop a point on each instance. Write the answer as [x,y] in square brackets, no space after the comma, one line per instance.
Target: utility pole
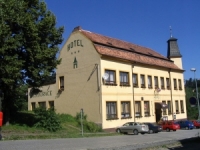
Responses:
[82,121]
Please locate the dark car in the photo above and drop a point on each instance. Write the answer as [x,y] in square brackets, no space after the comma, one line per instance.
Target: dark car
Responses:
[196,123]
[186,124]
[153,127]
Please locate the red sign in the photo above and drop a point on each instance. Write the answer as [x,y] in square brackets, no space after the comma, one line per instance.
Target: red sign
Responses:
[1,118]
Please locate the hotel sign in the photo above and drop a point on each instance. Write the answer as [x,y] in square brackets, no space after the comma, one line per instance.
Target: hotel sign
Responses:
[41,94]
[75,43]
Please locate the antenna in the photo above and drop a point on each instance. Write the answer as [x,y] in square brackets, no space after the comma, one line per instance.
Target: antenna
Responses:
[170,28]
[105,76]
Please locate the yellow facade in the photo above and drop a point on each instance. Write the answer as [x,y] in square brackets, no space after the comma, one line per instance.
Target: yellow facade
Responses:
[84,72]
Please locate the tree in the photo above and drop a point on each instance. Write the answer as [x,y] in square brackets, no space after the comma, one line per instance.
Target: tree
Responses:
[29,42]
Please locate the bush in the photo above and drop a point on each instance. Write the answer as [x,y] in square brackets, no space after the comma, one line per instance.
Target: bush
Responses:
[92,127]
[47,119]
[66,118]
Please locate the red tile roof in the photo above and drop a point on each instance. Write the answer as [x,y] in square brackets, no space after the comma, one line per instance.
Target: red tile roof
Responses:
[124,50]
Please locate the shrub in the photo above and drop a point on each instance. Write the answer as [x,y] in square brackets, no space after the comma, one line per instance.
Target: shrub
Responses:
[47,119]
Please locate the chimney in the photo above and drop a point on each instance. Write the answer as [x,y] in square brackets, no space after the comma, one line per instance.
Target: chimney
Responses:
[77,28]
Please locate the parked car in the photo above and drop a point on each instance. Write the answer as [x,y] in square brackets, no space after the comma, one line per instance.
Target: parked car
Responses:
[186,124]
[196,123]
[133,127]
[170,125]
[153,127]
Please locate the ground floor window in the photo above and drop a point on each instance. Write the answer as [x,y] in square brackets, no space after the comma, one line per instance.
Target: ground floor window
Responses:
[146,108]
[111,110]
[51,104]
[42,104]
[137,108]
[33,105]
[182,106]
[164,109]
[125,109]
[169,107]
[177,107]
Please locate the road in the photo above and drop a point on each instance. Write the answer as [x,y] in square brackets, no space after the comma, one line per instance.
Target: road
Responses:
[125,142]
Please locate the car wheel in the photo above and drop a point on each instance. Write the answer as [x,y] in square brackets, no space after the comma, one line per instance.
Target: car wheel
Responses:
[150,131]
[168,130]
[135,132]
[118,131]
[186,128]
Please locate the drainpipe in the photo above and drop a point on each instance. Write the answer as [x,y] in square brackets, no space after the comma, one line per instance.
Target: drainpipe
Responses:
[132,66]
[171,92]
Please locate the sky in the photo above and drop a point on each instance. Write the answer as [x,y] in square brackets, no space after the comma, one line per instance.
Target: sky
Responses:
[142,22]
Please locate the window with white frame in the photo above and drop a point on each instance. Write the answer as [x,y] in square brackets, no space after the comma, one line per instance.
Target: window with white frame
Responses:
[146,108]
[142,81]
[179,84]
[182,106]
[111,77]
[125,109]
[149,82]
[156,82]
[175,84]
[162,83]
[111,110]
[177,106]
[168,83]
[169,107]
[137,108]
[135,80]
[124,78]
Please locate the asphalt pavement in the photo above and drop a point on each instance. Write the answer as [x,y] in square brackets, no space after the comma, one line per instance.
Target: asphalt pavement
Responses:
[121,142]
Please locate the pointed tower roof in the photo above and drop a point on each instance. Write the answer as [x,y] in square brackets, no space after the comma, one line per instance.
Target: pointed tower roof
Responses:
[173,50]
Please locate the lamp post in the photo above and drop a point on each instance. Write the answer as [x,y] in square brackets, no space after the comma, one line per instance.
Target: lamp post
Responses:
[193,69]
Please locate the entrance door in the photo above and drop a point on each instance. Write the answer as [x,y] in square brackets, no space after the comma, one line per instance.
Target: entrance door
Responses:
[158,111]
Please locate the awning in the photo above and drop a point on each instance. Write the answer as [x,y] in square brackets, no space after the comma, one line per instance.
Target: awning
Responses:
[160,105]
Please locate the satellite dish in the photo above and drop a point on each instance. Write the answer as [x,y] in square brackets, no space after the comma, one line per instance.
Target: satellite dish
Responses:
[105,76]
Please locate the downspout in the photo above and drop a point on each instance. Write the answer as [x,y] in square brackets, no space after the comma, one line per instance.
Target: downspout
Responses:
[132,66]
[171,92]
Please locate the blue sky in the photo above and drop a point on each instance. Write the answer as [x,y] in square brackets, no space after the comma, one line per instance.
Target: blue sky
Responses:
[142,22]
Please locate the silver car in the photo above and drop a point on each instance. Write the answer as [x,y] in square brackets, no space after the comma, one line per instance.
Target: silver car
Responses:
[133,127]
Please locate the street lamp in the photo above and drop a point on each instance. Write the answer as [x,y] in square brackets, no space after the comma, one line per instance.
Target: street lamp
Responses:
[193,69]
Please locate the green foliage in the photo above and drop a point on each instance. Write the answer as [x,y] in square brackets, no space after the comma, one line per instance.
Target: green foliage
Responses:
[66,118]
[29,42]
[92,127]
[47,119]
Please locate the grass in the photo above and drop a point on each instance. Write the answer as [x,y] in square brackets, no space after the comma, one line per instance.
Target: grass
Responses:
[70,129]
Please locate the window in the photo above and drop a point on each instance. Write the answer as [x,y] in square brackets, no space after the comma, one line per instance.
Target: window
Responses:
[42,104]
[182,106]
[179,84]
[137,108]
[33,106]
[124,78]
[111,77]
[51,104]
[168,83]
[142,81]
[125,109]
[146,108]
[111,110]
[175,84]
[156,82]
[169,107]
[135,80]
[177,107]
[62,83]
[162,83]
[149,82]
[164,109]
